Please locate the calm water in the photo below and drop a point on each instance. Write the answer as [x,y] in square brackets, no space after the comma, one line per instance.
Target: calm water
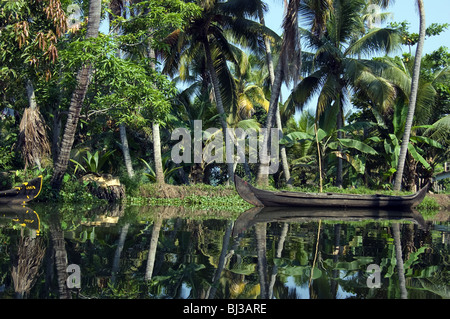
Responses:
[148,252]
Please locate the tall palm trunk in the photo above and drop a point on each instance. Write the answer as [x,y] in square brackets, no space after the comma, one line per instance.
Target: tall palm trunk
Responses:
[269,60]
[126,150]
[412,99]
[76,102]
[288,48]
[159,172]
[263,173]
[339,173]
[157,157]
[219,105]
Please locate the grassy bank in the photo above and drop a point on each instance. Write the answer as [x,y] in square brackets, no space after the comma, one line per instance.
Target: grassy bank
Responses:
[206,197]
[198,196]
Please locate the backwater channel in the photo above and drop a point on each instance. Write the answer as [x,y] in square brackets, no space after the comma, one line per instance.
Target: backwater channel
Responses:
[148,252]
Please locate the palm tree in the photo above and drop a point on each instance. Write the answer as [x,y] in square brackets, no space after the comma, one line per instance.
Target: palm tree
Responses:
[206,37]
[412,99]
[400,73]
[336,69]
[270,65]
[289,49]
[77,99]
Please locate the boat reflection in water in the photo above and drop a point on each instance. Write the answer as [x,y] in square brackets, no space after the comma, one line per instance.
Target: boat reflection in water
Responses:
[22,215]
[266,252]
[309,214]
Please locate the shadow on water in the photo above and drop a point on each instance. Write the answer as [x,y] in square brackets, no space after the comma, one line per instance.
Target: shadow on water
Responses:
[172,252]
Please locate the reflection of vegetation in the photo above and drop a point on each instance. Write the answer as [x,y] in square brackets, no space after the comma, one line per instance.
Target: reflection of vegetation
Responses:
[196,257]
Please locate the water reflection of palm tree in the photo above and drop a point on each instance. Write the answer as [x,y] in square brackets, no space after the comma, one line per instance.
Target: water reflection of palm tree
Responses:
[398,256]
[153,245]
[280,247]
[59,246]
[223,257]
[26,264]
[119,248]
[260,233]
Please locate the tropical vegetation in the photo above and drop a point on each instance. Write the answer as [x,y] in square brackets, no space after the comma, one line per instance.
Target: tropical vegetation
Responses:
[98,87]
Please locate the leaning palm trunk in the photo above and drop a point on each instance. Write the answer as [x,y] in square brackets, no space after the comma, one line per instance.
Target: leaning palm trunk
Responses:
[263,173]
[33,141]
[269,60]
[76,103]
[412,99]
[219,104]
[289,48]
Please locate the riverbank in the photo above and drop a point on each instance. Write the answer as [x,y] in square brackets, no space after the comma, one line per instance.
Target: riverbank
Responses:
[201,196]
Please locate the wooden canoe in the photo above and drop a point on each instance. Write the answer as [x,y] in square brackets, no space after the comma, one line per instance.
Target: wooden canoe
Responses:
[264,198]
[23,193]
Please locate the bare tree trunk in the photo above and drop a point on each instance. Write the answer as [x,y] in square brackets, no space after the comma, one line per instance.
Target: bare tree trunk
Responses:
[412,99]
[76,102]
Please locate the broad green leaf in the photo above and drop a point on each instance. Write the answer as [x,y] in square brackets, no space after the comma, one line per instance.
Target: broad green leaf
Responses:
[412,150]
[293,137]
[426,140]
[360,146]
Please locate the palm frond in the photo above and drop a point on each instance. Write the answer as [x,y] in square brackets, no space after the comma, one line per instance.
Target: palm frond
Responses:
[305,91]
[440,131]
[375,41]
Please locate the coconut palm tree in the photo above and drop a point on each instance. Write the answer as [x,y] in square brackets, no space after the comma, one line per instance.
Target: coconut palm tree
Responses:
[289,50]
[412,99]
[335,68]
[77,99]
[207,37]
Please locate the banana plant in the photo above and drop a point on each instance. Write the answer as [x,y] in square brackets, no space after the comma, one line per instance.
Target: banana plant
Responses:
[392,141]
[340,147]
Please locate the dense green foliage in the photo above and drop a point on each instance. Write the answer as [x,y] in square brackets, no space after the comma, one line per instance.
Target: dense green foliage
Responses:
[150,66]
